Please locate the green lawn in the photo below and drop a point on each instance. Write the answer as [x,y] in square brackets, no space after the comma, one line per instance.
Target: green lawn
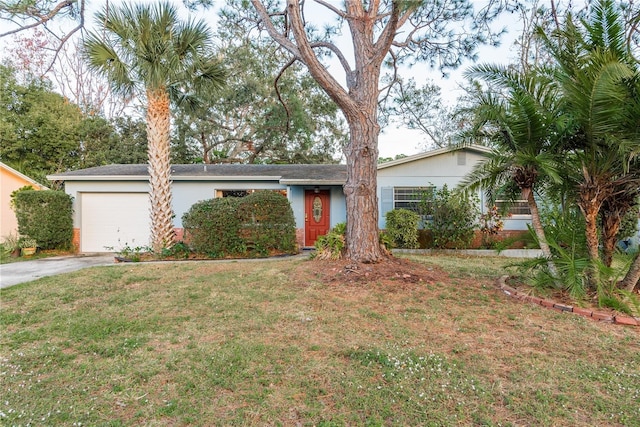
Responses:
[267,343]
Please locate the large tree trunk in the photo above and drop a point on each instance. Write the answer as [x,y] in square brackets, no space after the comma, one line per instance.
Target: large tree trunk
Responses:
[361,153]
[158,137]
[632,279]
[536,224]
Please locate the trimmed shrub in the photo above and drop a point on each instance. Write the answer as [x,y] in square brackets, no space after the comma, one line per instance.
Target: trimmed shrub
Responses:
[256,225]
[45,216]
[267,223]
[402,228]
[212,227]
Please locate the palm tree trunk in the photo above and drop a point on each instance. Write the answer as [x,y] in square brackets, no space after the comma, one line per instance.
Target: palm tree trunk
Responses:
[614,209]
[632,279]
[611,220]
[536,223]
[590,213]
[591,195]
[158,128]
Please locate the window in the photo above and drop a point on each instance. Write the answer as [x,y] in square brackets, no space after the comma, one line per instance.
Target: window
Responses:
[516,207]
[409,197]
[233,193]
[242,193]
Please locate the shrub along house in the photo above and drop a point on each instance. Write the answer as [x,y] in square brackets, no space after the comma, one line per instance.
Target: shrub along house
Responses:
[111,203]
[10,181]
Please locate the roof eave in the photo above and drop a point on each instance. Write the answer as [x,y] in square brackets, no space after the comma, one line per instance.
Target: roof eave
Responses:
[97,177]
[22,176]
[433,153]
[312,182]
[173,178]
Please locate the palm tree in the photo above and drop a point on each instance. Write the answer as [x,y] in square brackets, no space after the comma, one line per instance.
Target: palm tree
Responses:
[597,81]
[146,50]
[518,116]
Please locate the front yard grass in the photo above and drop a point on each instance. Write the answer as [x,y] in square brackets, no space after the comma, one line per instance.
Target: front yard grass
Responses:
[269,343]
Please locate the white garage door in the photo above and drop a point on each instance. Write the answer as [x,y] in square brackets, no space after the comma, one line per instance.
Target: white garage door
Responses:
[114,220]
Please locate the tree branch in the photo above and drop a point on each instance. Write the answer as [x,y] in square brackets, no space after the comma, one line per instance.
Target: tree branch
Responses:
[333,48]
[394,79]
[309,58]
[66,38]
[275,85]
[265,18]
[42,19]
[396,21]
[332,8]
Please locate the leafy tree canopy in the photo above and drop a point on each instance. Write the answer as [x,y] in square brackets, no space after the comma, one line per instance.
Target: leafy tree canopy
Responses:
[263,114]
[39,129]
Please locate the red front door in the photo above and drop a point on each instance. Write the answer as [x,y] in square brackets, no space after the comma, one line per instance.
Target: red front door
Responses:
[316,214]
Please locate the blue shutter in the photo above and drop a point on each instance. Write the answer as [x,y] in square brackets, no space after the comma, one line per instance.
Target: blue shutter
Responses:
[386,203]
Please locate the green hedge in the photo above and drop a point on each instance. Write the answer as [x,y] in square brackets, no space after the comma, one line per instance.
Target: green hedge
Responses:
[268,223]
[212,227]
[45,216]
[402,228]
[255,225]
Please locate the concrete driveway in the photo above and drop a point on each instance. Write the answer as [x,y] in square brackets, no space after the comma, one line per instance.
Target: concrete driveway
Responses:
[26,271]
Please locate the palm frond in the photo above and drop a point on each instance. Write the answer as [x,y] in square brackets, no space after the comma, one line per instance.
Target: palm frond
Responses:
[148,47]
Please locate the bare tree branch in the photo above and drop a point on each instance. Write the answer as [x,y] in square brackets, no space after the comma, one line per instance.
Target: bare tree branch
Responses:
[42,19]
[66,38]
[332,8]
[265,18]
[333,48]
[275,85]
[309,58]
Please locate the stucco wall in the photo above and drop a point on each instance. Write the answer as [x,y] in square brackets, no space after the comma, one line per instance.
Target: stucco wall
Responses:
[447,168]
[9,183]
[186,193]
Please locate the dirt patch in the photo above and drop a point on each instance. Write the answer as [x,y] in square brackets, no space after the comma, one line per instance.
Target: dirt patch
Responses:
[391,271]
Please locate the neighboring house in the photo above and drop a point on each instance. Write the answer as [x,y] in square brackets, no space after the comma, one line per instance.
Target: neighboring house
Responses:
[111,203]
[10,181]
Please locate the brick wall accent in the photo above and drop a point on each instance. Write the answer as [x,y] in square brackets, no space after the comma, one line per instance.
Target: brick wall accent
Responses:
[300,237]
[75,240]
[502,235]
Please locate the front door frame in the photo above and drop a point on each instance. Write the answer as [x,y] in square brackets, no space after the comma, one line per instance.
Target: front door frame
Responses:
[311,230]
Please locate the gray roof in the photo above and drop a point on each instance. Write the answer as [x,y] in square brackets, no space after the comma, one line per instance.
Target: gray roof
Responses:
[285,174]
[432,153]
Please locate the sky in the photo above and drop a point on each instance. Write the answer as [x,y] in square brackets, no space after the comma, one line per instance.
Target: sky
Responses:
[395,140]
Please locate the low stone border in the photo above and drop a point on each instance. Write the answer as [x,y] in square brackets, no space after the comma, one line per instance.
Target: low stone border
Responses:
[552,305]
